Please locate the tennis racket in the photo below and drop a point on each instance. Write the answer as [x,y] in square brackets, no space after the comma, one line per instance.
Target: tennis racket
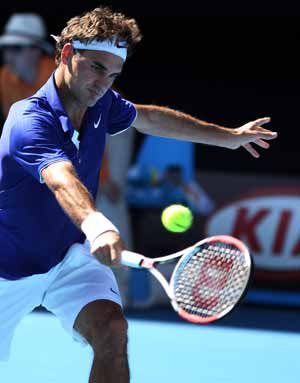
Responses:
[209,279]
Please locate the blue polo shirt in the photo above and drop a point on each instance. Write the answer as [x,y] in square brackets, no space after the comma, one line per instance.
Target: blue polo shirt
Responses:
[35,233]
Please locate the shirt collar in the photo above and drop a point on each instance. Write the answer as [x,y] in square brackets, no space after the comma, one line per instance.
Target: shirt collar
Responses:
[49,90]
[55,103]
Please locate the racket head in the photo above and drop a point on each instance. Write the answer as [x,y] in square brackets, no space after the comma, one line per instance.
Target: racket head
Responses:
[211,278]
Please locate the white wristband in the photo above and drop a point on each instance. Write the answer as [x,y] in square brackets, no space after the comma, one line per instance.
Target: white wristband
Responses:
[96,224]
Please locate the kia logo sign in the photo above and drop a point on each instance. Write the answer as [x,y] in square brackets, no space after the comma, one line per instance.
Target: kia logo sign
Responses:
[268,223]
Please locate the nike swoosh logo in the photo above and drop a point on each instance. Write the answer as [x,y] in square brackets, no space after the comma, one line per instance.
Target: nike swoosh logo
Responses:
[113,291]
[96,124]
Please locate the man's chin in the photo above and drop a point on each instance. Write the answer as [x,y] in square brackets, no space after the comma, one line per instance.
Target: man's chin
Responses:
[92,102]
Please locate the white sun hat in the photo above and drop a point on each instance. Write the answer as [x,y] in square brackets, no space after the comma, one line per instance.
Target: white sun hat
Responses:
[25,29]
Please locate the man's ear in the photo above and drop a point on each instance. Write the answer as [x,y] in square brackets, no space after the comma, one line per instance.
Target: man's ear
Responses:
[66,53]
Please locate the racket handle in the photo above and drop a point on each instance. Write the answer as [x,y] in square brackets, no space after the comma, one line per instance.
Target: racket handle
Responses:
[131,259]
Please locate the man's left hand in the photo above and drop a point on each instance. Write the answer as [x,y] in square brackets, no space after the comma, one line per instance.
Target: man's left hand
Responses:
[253,133]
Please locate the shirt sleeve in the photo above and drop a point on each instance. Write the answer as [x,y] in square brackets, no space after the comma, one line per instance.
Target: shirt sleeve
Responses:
[122,114]
[35,144]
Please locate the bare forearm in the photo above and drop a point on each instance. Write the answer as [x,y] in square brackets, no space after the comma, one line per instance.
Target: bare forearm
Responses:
[165,122]
[70,193]
[75,200]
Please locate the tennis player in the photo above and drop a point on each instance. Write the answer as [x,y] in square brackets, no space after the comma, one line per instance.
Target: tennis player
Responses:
[56,248]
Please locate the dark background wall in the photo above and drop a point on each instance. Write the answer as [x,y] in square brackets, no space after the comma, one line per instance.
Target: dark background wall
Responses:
[223,62]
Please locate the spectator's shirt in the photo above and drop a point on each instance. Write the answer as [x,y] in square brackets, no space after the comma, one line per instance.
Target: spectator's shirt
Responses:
[13,88]
[35,233]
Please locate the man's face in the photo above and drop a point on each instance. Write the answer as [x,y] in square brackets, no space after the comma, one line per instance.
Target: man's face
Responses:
[91,74]
[20,58]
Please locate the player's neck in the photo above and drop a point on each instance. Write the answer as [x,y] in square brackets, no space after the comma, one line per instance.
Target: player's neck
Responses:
[74,110]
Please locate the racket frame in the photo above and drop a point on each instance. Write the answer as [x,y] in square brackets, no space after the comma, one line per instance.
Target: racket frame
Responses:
[139,261]
[223,238]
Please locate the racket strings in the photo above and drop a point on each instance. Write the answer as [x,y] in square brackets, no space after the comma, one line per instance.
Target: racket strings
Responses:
[211,280]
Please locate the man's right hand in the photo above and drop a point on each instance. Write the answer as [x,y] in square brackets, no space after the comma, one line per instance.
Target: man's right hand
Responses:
[107,248]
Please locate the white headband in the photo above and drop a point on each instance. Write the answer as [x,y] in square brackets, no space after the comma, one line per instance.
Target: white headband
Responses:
[95,45]
[106,46]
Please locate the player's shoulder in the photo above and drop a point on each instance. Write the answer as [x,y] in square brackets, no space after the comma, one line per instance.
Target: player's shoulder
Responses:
[114,94]
[109,100]
[118,100]
[109,96]
[36,105]
[30,112]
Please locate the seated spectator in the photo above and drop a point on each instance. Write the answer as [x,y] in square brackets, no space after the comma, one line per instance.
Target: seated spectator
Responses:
[146,188]
[152,153]
[27,58]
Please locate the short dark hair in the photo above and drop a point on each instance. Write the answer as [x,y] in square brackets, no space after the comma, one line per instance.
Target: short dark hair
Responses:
[100,24]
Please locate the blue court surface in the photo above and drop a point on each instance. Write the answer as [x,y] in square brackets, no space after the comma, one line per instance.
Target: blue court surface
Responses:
[250,345]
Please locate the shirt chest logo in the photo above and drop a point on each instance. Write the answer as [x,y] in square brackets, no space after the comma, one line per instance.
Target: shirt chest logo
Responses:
[96,124]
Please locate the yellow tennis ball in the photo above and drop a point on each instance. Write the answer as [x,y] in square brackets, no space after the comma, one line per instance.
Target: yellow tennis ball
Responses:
[177,218]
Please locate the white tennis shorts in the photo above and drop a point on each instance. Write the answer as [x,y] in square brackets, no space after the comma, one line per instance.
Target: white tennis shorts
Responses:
[64,290]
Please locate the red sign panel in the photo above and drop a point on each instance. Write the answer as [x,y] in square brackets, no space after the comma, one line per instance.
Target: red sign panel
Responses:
[269,223]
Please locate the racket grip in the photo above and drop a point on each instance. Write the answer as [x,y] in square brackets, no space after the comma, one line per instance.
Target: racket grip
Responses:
[131,259]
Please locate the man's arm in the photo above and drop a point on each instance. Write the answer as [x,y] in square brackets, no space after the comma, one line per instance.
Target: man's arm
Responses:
[76,201]
[166,122]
